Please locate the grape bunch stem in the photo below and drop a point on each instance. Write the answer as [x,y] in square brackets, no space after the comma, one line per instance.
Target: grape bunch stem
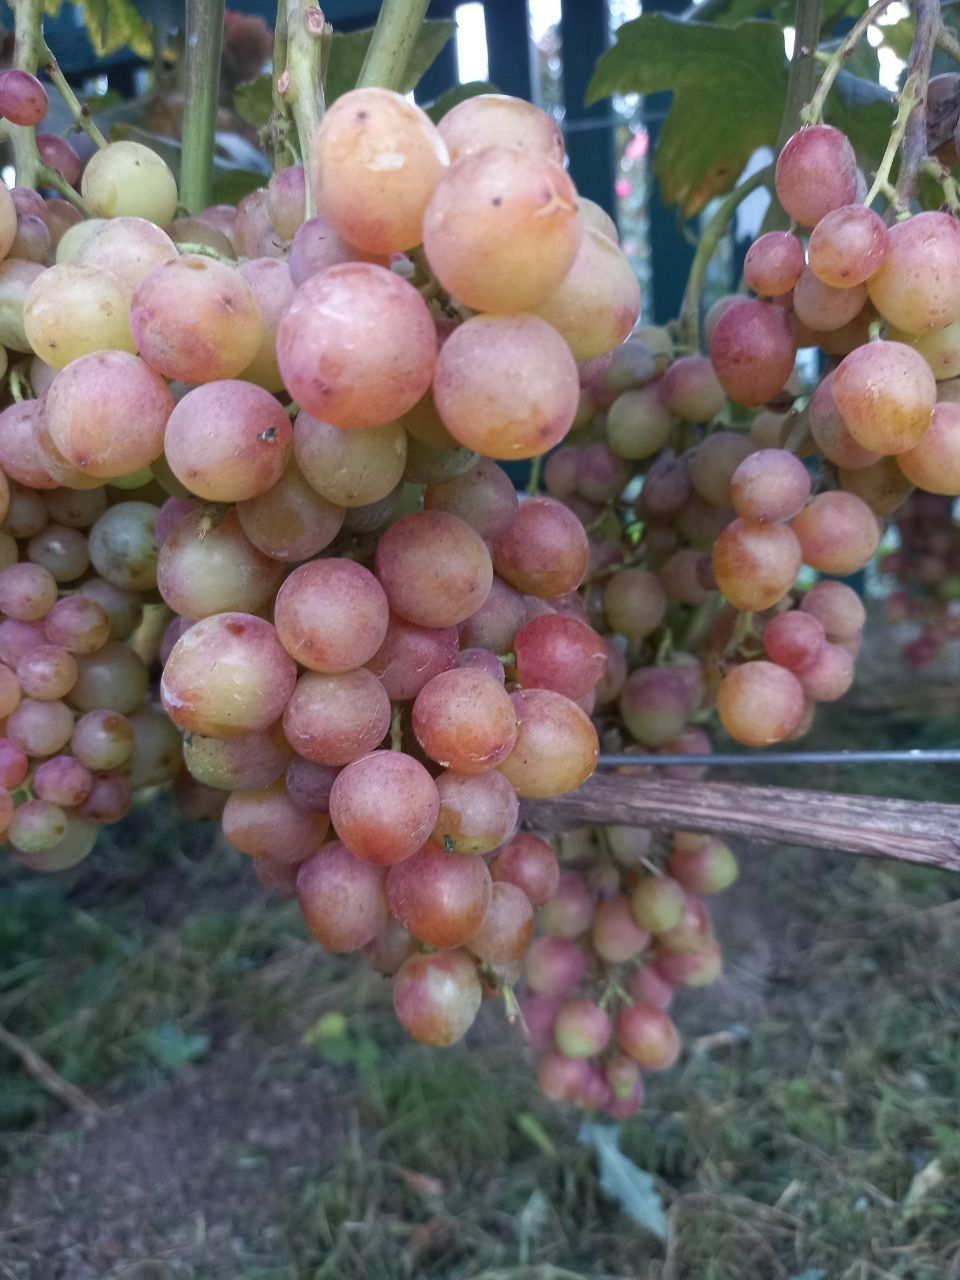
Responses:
[204,45]
[813,112]
[394,37]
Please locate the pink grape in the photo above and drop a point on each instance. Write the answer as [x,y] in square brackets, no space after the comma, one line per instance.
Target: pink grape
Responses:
[59,156]
[440,897]
[19,456]
[755,564]
[18,638]
[331,615]
[27,592]
[435,569]
[483,498]
[496,622]
[392,945]
[335,718]
[437,997]
[410,656]
[506,386]
[271,285]
[710,868]
[507,927]
[774,263]
[760,703]
[316,247]
[23,99]
[553,966]
[308,784]
[109,799]
[753,352]
[848,246]
[114,678]
[478,812]
[343,898]
[837,533]
[917,287]
[615,934]
[634,603]
[495,119]
[581,1029]
[14,764]
[465,721]
[597,303]
[697,969]
[690,389]
[204,570]
[40,728]
[384,806]
[103,740]
[561,654]
[793,639]
[63,780]
[714,462]
[828,675]
[654,705]
[544,552]
[563,1079]
[831,434]
[529,863]
[46,673]
[884,487]
[885,392]
[816,173]
[228,441]
[329,366]
[291,521]
[837,608]
[286,199]
[77,623]
[639,424]
[934,463]
[556,748]
[482,660]
[265,823]
[61,551]
[649,986]
[37,827]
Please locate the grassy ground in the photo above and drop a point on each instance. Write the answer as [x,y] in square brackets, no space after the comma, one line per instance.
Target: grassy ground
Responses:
[250,1131]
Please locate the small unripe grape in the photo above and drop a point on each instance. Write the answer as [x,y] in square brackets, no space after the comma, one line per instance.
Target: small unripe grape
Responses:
[639,424]
[634,603]
[657,903]
[40,728]
[569,912]
[711,868]
[654,705]
[254,761]
[23,99]
[114,678]
[58,155]
[127,178]
[563,1079]
[123,546]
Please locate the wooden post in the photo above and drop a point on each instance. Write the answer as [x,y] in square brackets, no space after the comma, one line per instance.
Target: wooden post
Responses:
[920,832]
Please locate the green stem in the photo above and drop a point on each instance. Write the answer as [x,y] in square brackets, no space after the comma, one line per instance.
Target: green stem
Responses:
[533,484]
[299,84]
[881,183]
[276,135]
[802,66]
[394,36]
[951,190]
[78,110]
[396,728]
[813,112]
[710,238]
[204,46]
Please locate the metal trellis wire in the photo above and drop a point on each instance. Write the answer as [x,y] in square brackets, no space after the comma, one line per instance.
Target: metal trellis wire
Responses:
[731,760]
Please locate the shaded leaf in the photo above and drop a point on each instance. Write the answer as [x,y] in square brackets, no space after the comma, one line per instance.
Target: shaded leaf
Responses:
[864,111]
[459,93]
[632,1188]
[172,1048]
[116,24]
[253,101]
[729,87]
[815,1273]
[349,49]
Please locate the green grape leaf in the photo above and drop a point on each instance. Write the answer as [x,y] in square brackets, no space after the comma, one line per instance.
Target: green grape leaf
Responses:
[253,101]
[459,93]
[230,185]
[116,24]
[729,86]
[349,49]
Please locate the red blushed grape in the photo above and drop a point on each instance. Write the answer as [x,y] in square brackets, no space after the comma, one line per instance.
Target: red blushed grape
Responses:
[556,748]
[483,498]
[506,386]
[544,552]
[934,463]
[828,675]
[291,521]
[494,119]
[696,969]
[602,475]
[831,434]
[581,1029]
[837,608]
[623,1077]
[755,564]
[539,1014]
[649,986]
[331,615]
[823,308]
[392,945]
[753,352]
[109,799]
[14,765]
[253,232]
[63,781]
[793,639]
[816,173]
[196,320]
[103,740]
[23,99]
[690,389]
[496,622]
[615,934]
[125,249]
[654,705]
[711,868]
[435,569]
[203,570]
[106,413]
[410,656]
[377,160]
[560,472]
[760,703]
[774,263]
[441,898]
[883,487]
[227,676]
[465,721]
[634,603]
[885,392]
[384,806]
[333,719]
[77,624]
[60,156]
[563,1079]
[343,898]
[598,302]
[27,592]
[529,863]
[18,638]
[917,287]
[40,728]
[316,247]
[37,827]
[482,660]
[265,823]
[647,1035]
[228,441]
[10,691]
[75,844]
[570,909]
[837,532]
[553,966]
[286,199]
[507,927]
[692,742]
[714,463]
[19,456]
[46,673]
[502,229]
[639,425]
[26,515]
[477,812]
[690,933]
[657,903]
[437,997]
[254,761]
[309,784]
[328,364]
[561,654]
[847,246]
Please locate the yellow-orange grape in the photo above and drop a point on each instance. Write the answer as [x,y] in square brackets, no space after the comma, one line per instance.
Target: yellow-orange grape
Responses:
[127,249]
[934,464]
[885,393]
[496,119]
[598,302]
[72,310]
[917,287]
[760,703]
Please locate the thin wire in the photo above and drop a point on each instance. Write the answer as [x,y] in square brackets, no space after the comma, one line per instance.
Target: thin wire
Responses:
[730,760]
